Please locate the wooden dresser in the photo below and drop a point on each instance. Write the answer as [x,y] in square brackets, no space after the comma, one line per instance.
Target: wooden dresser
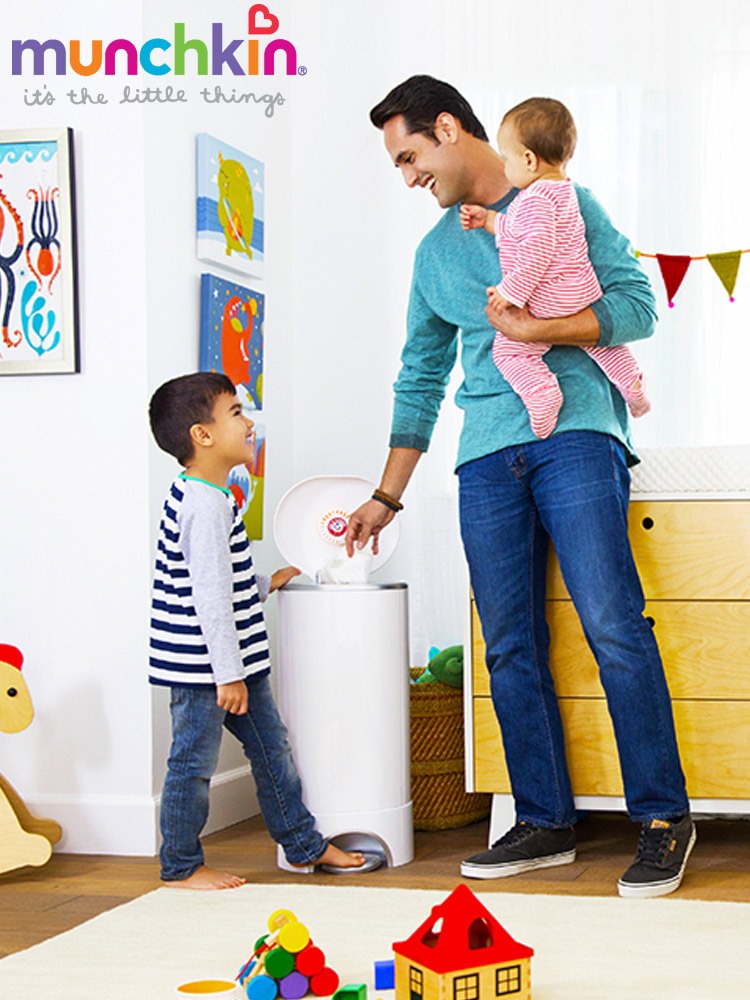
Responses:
[693,556]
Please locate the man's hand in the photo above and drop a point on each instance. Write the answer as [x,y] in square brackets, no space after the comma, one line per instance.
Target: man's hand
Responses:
[367,522]
[283,576]
[516,324]
[579,330]
[232,697]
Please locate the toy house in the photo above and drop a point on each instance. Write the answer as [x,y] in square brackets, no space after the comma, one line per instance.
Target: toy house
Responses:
[461,952]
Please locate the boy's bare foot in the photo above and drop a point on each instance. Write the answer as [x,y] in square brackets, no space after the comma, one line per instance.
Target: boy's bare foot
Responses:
[333,855]
[207,878]
[341,859]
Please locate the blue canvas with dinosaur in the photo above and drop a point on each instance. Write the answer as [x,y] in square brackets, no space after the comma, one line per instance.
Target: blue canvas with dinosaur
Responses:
[230,215]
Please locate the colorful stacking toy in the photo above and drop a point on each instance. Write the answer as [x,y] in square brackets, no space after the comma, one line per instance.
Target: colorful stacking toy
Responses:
[286,964]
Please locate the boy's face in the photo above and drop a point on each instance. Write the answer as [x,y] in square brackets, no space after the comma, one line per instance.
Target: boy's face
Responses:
[232,434]
[518,161]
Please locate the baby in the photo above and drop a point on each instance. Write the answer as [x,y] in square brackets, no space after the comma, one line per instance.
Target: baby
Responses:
[544,258]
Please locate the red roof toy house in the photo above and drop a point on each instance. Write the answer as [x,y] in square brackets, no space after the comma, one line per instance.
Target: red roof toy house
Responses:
[461,952]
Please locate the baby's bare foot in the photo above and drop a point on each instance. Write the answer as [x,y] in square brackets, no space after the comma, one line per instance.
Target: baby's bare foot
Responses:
[207,878]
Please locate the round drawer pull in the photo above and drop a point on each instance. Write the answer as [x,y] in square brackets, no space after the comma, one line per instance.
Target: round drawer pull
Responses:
[648,523]
[651,621]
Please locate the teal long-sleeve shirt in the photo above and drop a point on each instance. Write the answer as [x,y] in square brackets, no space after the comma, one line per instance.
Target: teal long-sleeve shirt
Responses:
[452,270]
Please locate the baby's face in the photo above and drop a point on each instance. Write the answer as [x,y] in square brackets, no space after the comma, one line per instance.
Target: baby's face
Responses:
[517,159]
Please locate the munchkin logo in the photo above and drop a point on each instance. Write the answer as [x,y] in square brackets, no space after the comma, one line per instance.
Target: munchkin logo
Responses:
[153,56]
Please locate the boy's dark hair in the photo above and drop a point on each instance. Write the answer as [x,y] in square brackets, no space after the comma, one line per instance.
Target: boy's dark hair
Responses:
[420,99]
[182,402]
[546,127]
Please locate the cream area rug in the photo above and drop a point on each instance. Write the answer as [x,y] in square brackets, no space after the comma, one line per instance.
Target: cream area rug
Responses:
[585,948]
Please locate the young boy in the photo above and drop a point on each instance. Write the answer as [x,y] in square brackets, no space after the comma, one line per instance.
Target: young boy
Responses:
[208,639]
[544,257]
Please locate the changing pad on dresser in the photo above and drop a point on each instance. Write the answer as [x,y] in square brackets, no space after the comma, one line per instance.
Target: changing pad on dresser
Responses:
[721,472]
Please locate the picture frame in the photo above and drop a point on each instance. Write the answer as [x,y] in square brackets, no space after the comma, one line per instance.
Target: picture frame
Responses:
[230,207]
[39,311]
[231,336]
[246,483]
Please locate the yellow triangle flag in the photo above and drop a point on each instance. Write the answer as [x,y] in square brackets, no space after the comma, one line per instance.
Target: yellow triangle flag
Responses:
[726,266]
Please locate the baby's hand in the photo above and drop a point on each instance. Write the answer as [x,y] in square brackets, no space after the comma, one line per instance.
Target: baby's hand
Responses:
[283,576]
[473,216]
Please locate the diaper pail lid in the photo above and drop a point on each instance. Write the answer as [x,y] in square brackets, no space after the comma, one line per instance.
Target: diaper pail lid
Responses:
[312,517]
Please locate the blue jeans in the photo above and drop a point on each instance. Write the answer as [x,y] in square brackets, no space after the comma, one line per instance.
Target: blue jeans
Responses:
[572,488]
[197,723]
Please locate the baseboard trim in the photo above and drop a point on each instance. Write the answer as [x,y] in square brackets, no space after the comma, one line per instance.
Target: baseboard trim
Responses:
[128,825]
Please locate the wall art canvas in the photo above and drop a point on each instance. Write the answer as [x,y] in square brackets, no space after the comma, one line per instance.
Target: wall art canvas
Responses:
[231,337]
[230,207]
[246,483]
[38,281]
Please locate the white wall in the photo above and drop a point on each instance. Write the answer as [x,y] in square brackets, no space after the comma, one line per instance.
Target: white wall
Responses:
[83,482]
[75,576]
[659,95]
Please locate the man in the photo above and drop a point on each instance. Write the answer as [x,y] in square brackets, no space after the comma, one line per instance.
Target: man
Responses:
[517,492]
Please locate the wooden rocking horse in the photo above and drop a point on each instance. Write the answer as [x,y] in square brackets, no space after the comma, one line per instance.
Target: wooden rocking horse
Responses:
[24,839]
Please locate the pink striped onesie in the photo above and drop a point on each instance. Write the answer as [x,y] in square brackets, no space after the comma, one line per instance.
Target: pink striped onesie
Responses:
[544,256]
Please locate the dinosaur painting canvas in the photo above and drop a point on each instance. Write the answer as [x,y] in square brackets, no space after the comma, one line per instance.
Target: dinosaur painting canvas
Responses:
[230,206]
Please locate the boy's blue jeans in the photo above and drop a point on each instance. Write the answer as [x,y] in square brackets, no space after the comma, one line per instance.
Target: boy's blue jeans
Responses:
[197,723]
[572,488]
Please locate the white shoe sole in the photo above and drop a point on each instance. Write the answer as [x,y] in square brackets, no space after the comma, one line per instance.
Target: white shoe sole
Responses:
[469,870]
[648,890]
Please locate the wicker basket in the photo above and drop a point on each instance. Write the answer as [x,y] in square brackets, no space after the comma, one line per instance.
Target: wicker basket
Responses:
[439,801]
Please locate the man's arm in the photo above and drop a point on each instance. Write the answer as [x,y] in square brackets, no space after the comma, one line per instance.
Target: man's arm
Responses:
[426,363]
[624,313]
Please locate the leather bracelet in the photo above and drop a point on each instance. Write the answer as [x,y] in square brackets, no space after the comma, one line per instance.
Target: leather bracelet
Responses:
[389,501]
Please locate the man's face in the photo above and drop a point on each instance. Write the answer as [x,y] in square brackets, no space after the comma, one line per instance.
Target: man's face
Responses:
[437,166]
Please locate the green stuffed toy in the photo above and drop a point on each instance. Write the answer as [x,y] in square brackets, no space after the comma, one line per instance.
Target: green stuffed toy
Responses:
[446,666]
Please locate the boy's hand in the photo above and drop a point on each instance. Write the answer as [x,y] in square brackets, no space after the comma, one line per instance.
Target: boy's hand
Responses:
[232,697]
[473,216]
[282,576]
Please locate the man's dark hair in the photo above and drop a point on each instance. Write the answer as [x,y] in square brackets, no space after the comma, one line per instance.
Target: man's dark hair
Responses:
[182,402]
[419,100]
[546,127]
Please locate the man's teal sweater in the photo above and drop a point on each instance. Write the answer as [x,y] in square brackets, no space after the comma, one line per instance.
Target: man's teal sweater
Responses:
[452,270]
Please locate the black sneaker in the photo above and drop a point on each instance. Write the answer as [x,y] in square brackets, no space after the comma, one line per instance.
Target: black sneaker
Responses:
[524,847]
[663,850]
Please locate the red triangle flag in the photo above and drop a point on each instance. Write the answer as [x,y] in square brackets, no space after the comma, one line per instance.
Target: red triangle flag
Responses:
[673,270]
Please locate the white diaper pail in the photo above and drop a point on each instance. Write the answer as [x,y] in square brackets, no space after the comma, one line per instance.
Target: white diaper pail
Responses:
[343,675]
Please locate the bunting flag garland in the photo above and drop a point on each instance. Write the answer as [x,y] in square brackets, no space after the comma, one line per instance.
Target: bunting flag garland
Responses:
[726,266]
[674,267]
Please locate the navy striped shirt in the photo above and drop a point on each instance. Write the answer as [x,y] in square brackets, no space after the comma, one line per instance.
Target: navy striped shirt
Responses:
[207,623]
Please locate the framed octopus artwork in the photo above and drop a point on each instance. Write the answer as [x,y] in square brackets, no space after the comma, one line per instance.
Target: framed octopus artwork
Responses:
[38,274]
[230,207]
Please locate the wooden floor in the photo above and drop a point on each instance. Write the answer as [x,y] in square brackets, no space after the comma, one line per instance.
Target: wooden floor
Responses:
[36,904]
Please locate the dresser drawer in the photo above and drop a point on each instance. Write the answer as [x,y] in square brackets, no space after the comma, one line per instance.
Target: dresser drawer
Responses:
[705,646]
[713,738]
[686,550]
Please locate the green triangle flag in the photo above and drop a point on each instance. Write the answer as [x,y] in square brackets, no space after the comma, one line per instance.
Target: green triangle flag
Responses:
[726,266]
